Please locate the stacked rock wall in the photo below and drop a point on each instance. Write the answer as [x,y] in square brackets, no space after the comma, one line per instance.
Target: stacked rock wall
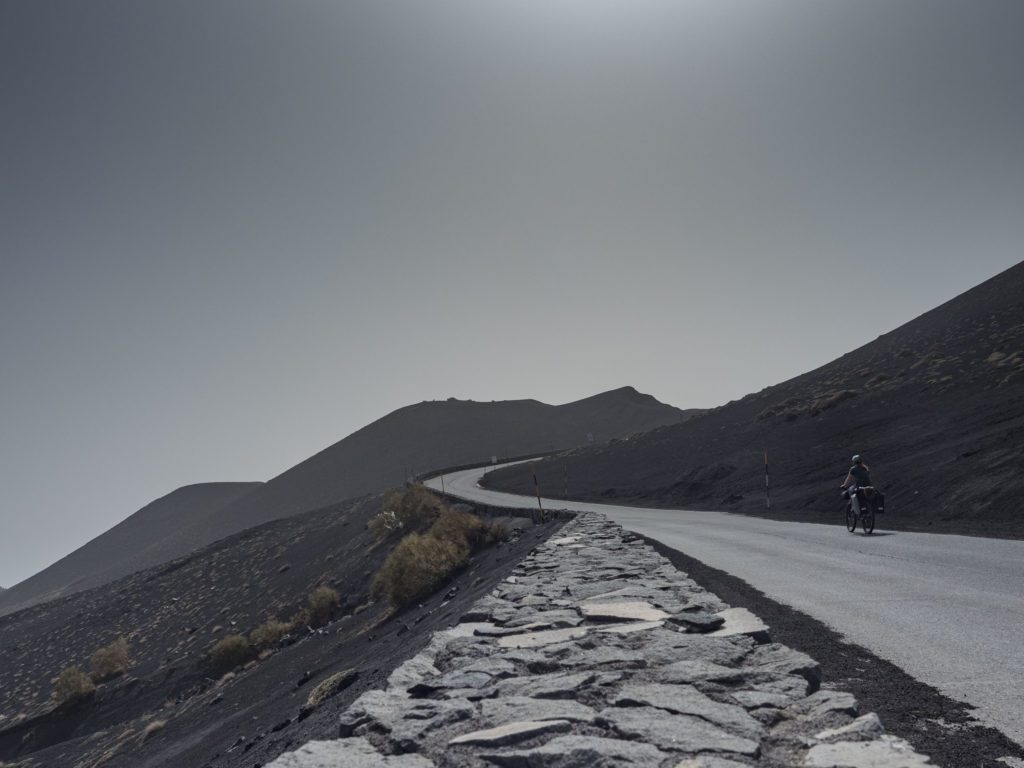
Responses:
[597,652]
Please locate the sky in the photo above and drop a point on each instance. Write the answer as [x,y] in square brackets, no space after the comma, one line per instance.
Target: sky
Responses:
[231,233]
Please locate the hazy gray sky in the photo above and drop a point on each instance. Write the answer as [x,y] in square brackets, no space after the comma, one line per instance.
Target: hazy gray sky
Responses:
[233,232]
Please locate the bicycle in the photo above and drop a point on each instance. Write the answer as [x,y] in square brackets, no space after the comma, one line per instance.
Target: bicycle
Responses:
[867,511]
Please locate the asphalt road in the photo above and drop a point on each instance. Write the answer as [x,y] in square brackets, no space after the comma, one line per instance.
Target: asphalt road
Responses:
[948,610]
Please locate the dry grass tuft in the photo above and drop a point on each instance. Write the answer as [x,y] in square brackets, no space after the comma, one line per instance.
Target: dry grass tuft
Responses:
[410,509]
[268,634]
[323,602]
[332,685]
[153,728]
[417,566]
[110,661]
[72,686]
[231,651]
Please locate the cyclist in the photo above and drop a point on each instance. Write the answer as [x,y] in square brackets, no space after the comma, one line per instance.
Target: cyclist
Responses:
[859,476]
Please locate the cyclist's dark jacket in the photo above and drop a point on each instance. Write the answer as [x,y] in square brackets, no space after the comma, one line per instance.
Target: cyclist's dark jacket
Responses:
[860,475]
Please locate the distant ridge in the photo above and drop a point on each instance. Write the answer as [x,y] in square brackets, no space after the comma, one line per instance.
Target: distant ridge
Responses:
[131,545]
[416,438]
[936,407]
[431,435]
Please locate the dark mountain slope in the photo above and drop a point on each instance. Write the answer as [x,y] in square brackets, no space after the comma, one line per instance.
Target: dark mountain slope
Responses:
[172,614]
[379,456]
[428,436]
[935,406]
[134,543]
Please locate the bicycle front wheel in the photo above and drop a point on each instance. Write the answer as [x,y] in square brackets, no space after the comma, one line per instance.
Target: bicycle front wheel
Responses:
[851,520]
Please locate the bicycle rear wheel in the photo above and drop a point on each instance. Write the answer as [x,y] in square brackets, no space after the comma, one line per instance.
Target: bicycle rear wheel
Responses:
[867,517]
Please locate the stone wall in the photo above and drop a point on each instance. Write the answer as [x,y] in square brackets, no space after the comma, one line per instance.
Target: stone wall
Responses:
[597,652]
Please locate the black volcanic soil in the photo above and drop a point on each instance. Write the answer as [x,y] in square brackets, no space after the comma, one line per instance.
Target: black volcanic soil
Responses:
[936,407]
[383,454]
[173,613]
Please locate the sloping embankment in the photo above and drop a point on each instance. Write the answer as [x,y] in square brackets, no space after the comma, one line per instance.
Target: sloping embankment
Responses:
[597,652]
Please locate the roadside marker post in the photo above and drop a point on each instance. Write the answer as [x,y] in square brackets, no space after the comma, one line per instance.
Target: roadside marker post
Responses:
[536,489]
[767,489]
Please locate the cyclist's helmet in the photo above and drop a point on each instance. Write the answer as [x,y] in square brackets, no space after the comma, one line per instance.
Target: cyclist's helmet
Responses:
[856,458]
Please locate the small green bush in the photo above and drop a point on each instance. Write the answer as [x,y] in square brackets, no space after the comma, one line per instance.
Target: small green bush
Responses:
[72,685]
[268,634]
[231,651]
[110,661]
[323,602]
[417,566]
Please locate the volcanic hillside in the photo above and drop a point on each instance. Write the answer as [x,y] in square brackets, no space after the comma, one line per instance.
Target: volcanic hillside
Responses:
[133,544]
[936,407]
[173,706]
[417,438]
[432,435]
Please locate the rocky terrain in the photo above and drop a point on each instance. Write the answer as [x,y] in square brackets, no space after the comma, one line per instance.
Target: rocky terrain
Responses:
[173,706]
[936,407]
[381,455]
[597,652]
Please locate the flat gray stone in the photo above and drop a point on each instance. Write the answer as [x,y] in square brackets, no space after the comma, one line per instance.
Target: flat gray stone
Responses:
[509,708]
[557,685]
[581,752]
[606,656]
[759,699]
[865,728]
[886,752]
[635,626]
[634,610]
[510,733]
[536,639]
[700,621]
[694,671]
[554,618]
[684,733]
[710,761]
[740,621]
[686,700]
[825,702]
[351,753]
[782,660]
[452,680]
[405,719]
[413,671]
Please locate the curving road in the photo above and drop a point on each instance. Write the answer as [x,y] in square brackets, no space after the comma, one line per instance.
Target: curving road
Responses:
[948,610]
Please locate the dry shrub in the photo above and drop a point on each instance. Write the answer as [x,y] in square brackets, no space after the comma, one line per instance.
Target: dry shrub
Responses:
[831,400]
[268,634]
[72,685]
[410,509]
[323,602]
[153,728]
[231,651]
[109,661]
[417,566]
[456,525]
[332,685]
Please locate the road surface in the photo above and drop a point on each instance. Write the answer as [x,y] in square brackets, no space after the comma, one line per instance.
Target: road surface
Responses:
[948,610]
